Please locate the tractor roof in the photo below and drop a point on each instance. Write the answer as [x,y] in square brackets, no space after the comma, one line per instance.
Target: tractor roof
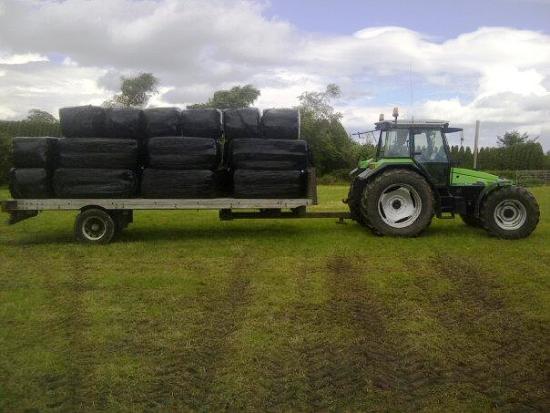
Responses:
[408,123]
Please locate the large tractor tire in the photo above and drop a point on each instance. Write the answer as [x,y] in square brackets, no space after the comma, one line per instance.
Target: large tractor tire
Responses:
[510,212]
[398,203]
[354,204]
[471,221]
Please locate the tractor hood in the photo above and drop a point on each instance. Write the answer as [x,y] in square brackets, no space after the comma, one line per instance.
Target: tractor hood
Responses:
[462,176]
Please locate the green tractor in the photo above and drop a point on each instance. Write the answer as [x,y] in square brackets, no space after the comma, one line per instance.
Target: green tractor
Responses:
[412,178]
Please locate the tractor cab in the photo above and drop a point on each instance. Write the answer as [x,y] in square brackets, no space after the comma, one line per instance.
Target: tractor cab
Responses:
[422,143]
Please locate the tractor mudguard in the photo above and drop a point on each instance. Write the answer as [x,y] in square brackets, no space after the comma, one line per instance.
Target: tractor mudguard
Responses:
[486,191]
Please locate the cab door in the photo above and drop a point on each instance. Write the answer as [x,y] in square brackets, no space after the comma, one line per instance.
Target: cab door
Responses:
[430,151]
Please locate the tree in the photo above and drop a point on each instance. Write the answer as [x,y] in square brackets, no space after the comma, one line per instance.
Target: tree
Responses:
[332,148]
[135,91]
[513,138]
[317,104]
[234,98]
[37,115]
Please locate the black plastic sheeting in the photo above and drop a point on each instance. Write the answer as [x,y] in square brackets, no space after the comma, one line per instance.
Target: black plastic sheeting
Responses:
[30,183]
[272,154]
[94,183]
[97,153]
[82,121]
[162,122]
[269,184]
[281,124]
[158,183]
[33,152]
[177,152]
[241,123]
[125,123]
[201,123]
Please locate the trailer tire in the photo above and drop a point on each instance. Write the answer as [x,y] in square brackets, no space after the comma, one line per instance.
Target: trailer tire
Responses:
[94,226]
[399,203]
[510,212]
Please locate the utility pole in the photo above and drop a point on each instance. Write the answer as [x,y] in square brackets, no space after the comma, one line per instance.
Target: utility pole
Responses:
[476,142]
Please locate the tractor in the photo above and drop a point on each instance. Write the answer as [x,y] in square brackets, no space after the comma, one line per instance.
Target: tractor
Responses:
[412,178]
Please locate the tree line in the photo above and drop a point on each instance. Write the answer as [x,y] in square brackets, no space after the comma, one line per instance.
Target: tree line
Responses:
[334,152]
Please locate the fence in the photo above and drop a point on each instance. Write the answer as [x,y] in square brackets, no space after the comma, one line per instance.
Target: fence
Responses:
[530,178]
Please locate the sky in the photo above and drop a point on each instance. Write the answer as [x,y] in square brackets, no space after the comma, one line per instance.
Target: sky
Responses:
[453,60]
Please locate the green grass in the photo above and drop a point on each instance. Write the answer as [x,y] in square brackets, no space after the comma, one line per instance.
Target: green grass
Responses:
[186,312]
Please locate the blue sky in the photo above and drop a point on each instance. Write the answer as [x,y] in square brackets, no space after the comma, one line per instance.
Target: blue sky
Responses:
[458,60]
[442,19]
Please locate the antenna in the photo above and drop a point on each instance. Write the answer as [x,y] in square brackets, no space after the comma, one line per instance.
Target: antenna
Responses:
[411,88]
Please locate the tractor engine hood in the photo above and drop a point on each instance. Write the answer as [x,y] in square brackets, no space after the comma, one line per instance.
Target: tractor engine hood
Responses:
[463,176]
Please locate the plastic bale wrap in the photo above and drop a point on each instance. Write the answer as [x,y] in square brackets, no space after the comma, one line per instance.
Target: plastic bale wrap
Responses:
[125,123]
[281,124]
[269,184]
[30,183]
[94,183]
[98,153]
[197,184]
[162,122]
[82,121]
[241,123]
[201,123]
[177,152]
[272,154]
[34,152]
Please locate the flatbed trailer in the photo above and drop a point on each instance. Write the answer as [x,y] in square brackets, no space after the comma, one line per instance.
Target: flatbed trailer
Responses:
[100,220]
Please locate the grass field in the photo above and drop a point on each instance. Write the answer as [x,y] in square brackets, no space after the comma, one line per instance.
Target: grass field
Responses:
[186,312]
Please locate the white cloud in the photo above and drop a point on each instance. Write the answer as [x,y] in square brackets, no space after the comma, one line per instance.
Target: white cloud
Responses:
[21,59]
[501,75]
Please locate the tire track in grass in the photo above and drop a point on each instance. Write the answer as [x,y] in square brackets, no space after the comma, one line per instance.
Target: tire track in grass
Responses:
[505,357]
[186,374]
[73,389]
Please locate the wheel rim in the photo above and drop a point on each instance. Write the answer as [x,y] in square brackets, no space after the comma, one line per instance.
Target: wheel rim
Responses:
[94,228]
[510,214]
[399,205]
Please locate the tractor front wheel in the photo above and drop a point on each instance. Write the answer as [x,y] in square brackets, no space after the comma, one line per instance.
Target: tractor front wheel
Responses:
[398,202]
[510,212]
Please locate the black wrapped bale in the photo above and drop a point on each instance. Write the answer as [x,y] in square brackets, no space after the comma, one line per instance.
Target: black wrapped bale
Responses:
[125,123]
[162,122]
[269,184]
[272,154]
[201,123]
[33,152]
[94,183]
[99,153]
[281,124]
[178,152]
[30,183]
[241,123]
[82,121]
[198,184]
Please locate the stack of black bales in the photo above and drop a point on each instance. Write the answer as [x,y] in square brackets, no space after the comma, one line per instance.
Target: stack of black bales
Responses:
[183,153]
[33,160]
[99,156]
[266,156]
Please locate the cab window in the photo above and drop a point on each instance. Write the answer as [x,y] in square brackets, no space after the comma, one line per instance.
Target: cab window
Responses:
[395,144]
[429,146]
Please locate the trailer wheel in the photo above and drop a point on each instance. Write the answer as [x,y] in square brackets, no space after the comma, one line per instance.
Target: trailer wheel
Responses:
[94,226]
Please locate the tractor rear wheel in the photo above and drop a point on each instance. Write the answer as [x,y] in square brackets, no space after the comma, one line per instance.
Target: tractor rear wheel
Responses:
[354,204]
[399,203]
[471,220]
[510,212]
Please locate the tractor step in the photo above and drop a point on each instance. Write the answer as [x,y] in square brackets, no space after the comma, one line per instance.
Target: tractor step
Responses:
[446,215]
